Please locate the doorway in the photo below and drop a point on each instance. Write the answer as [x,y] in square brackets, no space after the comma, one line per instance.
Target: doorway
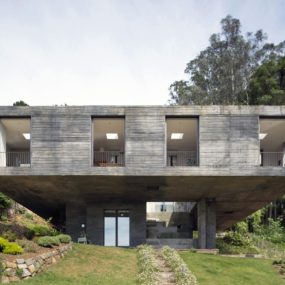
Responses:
[117,228]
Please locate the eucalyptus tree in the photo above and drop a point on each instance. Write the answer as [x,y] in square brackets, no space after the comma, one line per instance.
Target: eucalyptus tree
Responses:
[221,73]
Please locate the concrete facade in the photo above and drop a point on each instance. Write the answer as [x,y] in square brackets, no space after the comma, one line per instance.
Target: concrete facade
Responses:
[61,182]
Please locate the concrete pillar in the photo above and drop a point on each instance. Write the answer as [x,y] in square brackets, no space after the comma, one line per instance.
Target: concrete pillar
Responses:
[2,145]
[202,221]
[283,157]
[206,224]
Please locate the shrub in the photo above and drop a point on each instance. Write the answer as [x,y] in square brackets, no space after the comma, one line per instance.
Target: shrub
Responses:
[146,265]
[29,246]
[237,239]
[29,233]
[13,248]
[226,248]
[10,247]
[64,238]
[3,244]
[182,273]
[9,235]
[48,241]
[43,231]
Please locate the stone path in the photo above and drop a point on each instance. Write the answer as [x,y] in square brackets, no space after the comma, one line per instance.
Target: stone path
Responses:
[165,275]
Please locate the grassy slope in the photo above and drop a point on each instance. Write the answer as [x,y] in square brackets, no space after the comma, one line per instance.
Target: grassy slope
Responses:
[91,265]
[219,270]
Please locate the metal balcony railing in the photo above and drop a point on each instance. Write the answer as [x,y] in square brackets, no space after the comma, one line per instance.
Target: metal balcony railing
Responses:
[15,159]
[108,158]
[182,158]
[272,159]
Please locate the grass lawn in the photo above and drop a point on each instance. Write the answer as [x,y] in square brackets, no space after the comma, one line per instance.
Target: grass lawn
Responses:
[91,265]
[219,270]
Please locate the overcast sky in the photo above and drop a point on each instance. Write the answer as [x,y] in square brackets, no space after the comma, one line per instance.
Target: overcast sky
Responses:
[127,52]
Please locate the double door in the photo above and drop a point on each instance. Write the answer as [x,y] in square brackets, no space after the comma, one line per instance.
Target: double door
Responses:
[116,228]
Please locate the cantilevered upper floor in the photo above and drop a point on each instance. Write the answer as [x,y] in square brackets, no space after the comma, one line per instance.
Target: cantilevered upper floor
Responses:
[143,140]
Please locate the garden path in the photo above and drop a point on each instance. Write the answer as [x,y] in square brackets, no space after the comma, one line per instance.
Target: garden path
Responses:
[165,275]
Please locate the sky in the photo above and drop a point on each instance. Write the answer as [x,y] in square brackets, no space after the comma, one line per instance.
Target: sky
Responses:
[113,52]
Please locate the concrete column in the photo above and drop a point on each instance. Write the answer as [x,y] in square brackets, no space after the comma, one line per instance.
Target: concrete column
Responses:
[202,221]
[283,157]
[2,145]
[206,224]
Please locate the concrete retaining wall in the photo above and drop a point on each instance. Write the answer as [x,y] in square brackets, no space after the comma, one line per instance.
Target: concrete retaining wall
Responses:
[22,268]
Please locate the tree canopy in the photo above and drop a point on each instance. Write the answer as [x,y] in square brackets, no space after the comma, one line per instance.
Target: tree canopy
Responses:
[221,73]
[20,103]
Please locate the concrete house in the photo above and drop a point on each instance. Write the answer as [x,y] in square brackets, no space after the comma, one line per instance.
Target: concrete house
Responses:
[94,168]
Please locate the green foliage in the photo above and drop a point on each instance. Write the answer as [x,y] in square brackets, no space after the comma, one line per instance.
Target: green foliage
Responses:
[221,73]
[267,85]
[9,235]
[43,231]
[20,103]
[13,248]
[227,248]
[19,272]
[237,239]
[28,246]
[3,243]
[183,275]
[64,238]
[48,241]
[10,247]
[273,231]
[5,203]
[147,268]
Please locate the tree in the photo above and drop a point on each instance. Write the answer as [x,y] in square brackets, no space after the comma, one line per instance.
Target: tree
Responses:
[221,73]
[20,103]
[5,203]
[267,85]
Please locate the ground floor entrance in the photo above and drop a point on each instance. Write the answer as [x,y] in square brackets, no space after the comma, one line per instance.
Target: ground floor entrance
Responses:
[116,223]
[116,228]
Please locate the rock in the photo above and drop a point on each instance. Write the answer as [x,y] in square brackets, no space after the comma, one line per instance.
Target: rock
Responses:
[9,272]
[53,260]
[31,268]
[14,278]
[5,280]
[26,273]
[30,261]
[11,264]
[22,266]
[20,260]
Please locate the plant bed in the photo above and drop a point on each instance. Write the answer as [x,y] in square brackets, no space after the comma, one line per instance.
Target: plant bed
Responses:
[17,267]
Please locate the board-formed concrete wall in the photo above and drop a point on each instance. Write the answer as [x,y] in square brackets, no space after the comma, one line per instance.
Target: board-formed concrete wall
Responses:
[61,140]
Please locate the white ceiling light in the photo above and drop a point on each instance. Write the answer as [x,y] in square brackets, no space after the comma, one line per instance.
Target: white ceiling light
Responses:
[27,136]
[177,136]
[112,136]
[262,136]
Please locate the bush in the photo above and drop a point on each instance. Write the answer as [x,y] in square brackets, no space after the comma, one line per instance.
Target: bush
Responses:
[64,238]
[43,231]
[226,248]
[237,239]
[13,248]
[3,243]
[182,273]
[48,241]
[9,235]
[10,247]
[29,246]
[147,266]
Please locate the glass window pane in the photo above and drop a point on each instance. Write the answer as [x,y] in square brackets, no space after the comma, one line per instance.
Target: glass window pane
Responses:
[123,231]
[110,231]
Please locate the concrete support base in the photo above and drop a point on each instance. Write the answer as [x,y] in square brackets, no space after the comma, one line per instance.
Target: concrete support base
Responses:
[206,224]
